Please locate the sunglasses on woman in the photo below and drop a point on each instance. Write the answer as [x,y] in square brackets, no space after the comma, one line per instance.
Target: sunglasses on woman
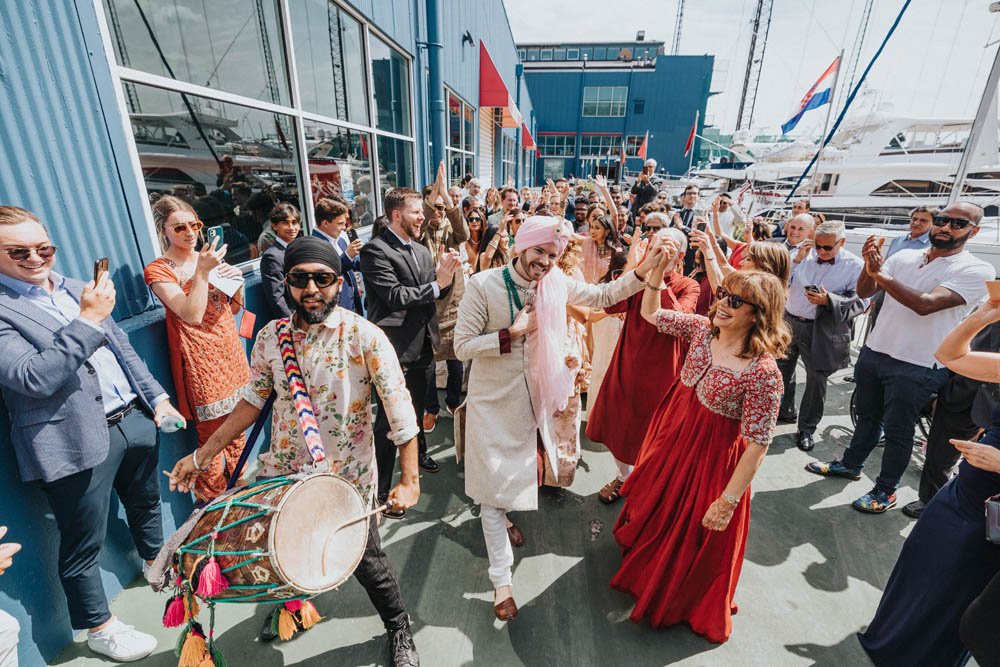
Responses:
[955,223]
[195,227]
[21,254]
[475,218]
[734,300]
[300,279]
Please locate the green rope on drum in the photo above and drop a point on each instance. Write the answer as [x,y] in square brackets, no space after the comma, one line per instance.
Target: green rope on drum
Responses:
[222,529]
[266,486]
[251,552]
[246,562]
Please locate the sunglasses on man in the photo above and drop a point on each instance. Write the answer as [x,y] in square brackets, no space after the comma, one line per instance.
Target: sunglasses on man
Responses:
[735,301]
[954,223]
[21,254]
[301,279]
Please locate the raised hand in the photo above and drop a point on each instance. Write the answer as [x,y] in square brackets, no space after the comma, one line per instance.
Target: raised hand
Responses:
[97,300]
[804,249]
[210,257]
[448,263]
[600,181]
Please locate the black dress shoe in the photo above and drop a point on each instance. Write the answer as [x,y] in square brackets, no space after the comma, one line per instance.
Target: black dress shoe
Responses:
[787,419]
[804,441]
[404,651]
[914,509]
[427,464]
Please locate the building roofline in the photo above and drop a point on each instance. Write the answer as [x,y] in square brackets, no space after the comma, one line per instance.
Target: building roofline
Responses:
[646,42]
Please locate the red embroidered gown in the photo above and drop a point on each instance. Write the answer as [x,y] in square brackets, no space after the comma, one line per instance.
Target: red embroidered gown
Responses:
[677,570]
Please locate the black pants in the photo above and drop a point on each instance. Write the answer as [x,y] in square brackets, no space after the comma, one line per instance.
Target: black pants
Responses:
[81,501]
[385,449]
[952,419]
[376,576]
[978,628]
[814,396]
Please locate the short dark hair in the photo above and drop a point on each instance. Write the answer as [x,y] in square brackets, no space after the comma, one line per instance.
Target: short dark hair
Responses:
[329,209]
[242,186]
[806,202]
[284,211]
[691,187]
[561,179]
[505,189]
[426,191]
[726,195]
[396,198]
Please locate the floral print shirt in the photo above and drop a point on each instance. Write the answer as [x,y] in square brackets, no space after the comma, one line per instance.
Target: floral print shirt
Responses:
[341,359]
[751,395]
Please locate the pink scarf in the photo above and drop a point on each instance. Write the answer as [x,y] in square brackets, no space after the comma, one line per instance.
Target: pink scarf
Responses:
[555,380]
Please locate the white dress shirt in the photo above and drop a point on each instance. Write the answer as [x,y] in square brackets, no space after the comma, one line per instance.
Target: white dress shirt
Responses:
[836,278]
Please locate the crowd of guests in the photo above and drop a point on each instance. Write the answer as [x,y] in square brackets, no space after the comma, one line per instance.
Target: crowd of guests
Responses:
[538,311]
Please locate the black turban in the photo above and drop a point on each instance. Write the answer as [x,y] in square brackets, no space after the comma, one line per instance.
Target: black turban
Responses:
[308,249]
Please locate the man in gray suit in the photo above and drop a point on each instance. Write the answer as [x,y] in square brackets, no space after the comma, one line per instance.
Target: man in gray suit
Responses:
[80,402]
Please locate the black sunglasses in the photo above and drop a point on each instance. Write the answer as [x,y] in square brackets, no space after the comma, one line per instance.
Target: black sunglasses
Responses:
[21,254]
[475,218]
[956,223]
[828,248]
[300,279]
[651,228]
[735,301]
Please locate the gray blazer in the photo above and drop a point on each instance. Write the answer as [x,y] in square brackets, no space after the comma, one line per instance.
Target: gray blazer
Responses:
[831,339]
[53,397]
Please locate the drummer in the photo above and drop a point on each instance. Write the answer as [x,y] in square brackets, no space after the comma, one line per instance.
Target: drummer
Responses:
[342,356]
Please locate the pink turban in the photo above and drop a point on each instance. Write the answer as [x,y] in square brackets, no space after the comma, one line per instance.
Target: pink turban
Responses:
[555,380]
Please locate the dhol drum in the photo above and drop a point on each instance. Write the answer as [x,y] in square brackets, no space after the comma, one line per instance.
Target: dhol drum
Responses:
[277,539]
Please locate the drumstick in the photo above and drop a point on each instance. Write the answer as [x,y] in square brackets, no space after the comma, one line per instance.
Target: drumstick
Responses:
[387,506]
[197,495]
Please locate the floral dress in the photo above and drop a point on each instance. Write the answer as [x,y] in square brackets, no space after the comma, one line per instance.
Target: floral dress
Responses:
[677,570]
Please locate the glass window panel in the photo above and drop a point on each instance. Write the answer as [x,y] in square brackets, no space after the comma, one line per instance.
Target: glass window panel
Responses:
[559,54]
[469,132]
[546,54]
[183,154]
[572,54]
[469,169]
[532,54]
[620,93]
[236,46]
[590,108]
[455,165]
[329,60]
[395,163]
[600,54]
[605,94]
[587,53]
[340,165]
[590,93]
[391,74]
[521,54]
[454,122]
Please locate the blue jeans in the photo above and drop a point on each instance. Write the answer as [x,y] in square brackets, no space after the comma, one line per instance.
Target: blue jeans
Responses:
[889,395]
[453,390]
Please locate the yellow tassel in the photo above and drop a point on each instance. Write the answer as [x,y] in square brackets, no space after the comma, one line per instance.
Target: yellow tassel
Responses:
[286,624]
[207,662]
[191,605]
[308,615]
[193,651]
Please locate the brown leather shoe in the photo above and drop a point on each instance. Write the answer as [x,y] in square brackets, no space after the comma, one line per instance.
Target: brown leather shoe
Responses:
[515,536]
[609,493]
[429,421]
[506,610]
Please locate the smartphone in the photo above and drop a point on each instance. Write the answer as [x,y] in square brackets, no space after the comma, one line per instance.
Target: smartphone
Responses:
[352,235]
[702,226]
[213,233]
[812,288]
[100,266]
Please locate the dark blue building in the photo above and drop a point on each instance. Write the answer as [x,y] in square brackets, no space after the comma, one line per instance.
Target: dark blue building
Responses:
[592,99]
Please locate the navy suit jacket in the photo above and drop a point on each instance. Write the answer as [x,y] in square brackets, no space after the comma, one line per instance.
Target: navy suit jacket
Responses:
[272,275]
[350,295]
[58,422]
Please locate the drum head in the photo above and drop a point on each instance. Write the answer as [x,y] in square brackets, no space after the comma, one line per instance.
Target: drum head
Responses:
[306,551]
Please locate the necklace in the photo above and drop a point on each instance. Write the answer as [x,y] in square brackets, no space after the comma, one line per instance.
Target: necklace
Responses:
[512,298]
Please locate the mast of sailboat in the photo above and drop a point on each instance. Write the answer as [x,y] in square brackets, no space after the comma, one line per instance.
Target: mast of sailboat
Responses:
[826,123]
[987,106]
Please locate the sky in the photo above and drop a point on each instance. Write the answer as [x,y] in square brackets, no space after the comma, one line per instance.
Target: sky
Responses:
[935,64]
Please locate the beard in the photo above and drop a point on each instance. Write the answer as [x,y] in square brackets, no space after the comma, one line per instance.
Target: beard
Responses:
[319,315]
[950,244]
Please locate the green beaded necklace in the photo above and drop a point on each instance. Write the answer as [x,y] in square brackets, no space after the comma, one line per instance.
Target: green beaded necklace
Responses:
[512,298]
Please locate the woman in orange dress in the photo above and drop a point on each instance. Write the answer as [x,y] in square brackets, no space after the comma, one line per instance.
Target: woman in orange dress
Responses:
[207,360]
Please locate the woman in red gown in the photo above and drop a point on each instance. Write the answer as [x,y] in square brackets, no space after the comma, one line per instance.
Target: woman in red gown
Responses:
[683,529]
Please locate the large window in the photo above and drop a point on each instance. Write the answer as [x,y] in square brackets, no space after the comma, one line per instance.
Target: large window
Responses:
[599,145]
[461,116]
[632,144]
[508,158]
[557,145]
[206,89]
[604,100]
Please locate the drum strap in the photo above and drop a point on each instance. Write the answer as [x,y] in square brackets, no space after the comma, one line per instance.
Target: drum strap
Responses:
[300,397]
[258,426]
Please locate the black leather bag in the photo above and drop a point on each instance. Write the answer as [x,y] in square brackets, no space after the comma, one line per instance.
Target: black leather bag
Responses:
[993,519]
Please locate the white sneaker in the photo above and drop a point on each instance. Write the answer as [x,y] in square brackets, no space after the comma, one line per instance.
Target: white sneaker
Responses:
[146,567]
[121,642]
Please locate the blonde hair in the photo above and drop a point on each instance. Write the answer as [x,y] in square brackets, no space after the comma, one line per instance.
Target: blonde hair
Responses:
[771,258]
[15,215]
[162,209]
[768,334]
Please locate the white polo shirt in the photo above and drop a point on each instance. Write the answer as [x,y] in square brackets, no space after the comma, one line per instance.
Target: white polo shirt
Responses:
[904,335]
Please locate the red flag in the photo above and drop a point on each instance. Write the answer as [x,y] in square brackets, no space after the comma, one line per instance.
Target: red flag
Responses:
[690,141]
[642,149]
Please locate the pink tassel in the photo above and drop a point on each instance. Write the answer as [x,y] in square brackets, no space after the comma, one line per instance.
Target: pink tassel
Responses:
[211,582]
[293,605]
[174,615]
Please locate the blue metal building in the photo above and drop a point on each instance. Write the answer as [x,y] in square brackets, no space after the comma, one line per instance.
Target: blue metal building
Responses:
[109,101]
[594,101]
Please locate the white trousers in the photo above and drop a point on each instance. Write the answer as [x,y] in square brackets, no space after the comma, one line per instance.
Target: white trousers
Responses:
[624,470]
[498,547]
[8,639]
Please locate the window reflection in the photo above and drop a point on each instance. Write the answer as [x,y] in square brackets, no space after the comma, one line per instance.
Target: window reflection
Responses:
[340,166]
[454,122]
[469,113]
[329,60]
[230,162]
[395,162]
[236,46]
[391,77]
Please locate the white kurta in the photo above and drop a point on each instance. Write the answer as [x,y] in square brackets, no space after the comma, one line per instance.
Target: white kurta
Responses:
[501,468]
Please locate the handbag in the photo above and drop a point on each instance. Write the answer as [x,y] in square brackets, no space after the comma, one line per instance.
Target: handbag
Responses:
[993,519]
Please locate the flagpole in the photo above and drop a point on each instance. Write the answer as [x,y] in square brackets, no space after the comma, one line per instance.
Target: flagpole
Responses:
[826,123]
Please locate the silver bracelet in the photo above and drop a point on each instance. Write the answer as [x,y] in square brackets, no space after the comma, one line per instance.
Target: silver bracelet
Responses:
[732,500]
[194,460]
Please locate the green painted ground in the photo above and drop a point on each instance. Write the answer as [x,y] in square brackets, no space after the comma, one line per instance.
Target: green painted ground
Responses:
[813,575]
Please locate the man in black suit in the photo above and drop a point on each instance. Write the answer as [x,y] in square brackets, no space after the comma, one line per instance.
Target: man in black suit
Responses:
[402,284]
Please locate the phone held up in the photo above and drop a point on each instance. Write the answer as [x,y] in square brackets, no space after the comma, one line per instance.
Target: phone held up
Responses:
[100,266]
[702,226]
[812,288]
[352,235]
[213,233]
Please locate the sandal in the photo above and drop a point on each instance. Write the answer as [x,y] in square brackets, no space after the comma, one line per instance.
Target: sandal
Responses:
[610,492]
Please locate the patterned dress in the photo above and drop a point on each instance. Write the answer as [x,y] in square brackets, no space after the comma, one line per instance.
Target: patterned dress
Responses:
[209,368]
[678,571]
[342,360]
